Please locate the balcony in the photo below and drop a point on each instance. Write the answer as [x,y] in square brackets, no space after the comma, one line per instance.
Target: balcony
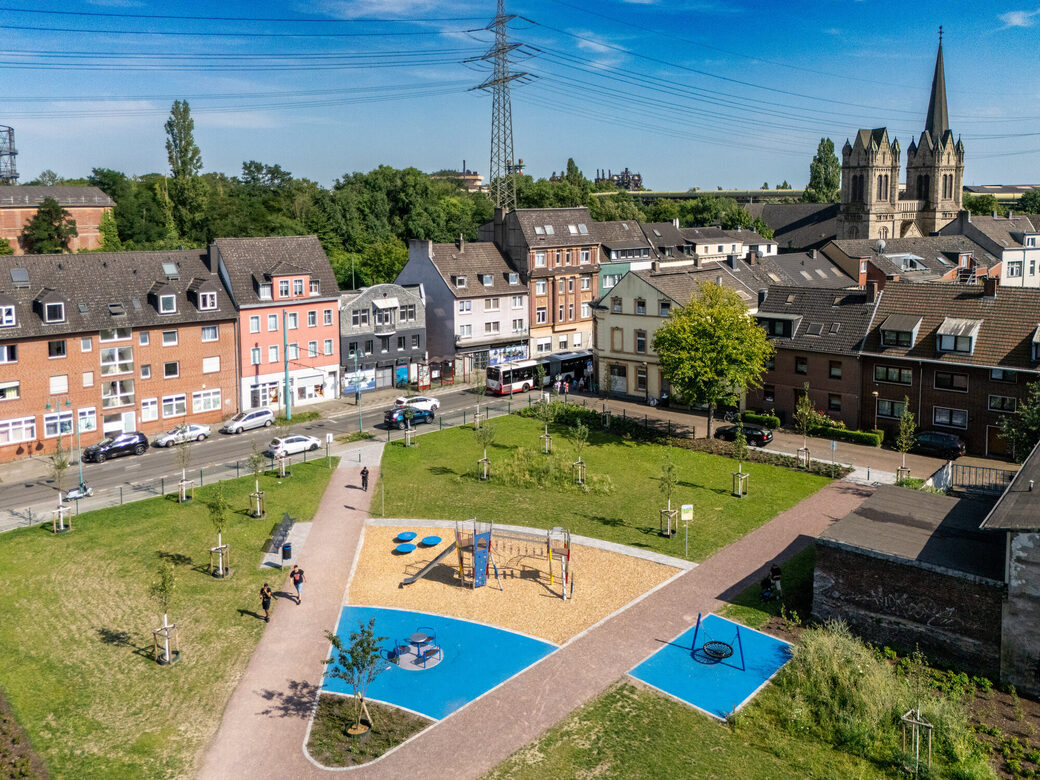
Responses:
[385,328]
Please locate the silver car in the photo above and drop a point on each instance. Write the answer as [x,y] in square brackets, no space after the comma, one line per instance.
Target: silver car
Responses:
[181,434]
[247,421]
[424,402]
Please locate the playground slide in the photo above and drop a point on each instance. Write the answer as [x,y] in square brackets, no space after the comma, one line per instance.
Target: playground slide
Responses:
[429,567]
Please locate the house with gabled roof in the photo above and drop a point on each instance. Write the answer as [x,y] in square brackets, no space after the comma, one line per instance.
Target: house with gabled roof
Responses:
[945,258]
[1013,240]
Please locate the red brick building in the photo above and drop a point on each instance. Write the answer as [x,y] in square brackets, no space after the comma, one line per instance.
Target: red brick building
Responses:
[100,344]
[87,205]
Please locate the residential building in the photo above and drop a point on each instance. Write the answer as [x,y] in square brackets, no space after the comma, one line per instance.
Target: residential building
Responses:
[962,354]
[557,257]
[86,205]
[623,248]
[102,344]
[384,327]
[1013,240]
[287,300]
[873,206]
[477,304]
[947,258]
[817,334]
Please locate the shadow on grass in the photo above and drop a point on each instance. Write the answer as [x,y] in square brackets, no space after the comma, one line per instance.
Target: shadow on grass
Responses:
[111,636]
[249,613]
[296,702]
[177,559]
[612,522]
[441,471]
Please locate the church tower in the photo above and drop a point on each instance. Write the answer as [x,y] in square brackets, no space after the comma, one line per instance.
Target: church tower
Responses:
[869,186]
[935,162]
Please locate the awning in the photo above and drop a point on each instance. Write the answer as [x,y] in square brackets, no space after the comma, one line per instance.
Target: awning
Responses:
[385,303]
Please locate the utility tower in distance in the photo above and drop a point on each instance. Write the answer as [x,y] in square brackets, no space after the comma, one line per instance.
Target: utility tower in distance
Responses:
[502,172]
[8,171]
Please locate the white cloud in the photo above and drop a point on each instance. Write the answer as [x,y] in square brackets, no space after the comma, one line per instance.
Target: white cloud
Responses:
[1019,18]
[832,31]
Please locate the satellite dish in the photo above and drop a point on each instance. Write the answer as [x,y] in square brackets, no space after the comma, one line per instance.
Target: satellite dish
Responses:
[880,246]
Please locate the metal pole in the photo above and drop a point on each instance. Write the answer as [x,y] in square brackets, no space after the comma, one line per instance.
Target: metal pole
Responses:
[357,391]
[285,361]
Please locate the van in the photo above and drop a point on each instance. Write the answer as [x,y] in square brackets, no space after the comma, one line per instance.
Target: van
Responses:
[247,421]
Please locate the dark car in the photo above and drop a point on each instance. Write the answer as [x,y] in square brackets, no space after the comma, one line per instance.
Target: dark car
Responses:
[945,445]
[396,418]
[134,443]
[760,437]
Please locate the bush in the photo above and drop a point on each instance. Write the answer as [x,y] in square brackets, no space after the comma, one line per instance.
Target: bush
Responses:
[852,437]
[765,420]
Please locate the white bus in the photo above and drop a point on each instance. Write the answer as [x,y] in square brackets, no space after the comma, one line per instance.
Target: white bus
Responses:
[522,375]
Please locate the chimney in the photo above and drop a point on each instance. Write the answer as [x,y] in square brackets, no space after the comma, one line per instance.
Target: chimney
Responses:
[500,228]
[655,266]
[989,288]
[994,213]
[1010,213]
[461,243]
[718,280]
[675,222]
[762,295]
[871,291]
[814,253]
[731,261]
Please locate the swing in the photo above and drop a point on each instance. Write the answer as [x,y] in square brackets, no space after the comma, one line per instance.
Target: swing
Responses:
[713,650]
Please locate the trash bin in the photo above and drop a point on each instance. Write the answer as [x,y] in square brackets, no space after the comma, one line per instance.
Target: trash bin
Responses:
[286,552]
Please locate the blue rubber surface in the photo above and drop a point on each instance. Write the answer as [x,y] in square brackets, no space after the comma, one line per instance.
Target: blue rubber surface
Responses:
[716,688]
[431,541]
[406,536]
[405,548]
[476,659]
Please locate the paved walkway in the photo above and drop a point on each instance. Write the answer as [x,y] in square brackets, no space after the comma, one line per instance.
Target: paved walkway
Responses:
[265,723]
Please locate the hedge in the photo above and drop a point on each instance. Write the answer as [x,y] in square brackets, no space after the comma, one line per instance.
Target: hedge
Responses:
[853,437]
[765,420]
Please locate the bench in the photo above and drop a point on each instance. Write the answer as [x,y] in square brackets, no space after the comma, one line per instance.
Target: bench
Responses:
[428,652]
[279,534]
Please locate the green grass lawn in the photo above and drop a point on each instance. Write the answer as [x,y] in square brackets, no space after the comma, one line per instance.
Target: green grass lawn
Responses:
[438,479]
[749,609]
[76,625]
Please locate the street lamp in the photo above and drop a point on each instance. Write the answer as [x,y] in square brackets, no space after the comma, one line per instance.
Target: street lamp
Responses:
[357,391]
[875,394]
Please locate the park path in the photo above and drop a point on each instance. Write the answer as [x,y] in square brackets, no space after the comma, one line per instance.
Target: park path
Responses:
[265,723]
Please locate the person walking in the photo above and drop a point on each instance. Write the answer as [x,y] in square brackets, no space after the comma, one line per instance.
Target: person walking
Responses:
[296,575]
[364,478]
[265,601]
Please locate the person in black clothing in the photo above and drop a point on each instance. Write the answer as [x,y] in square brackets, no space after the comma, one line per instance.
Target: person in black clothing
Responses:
[296,575]
[364,478]
[774,578]
[265,601]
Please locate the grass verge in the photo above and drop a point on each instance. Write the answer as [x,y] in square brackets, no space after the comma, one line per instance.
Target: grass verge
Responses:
[796,583]
[76,625]
[329,744]
[298,417]
[439,479]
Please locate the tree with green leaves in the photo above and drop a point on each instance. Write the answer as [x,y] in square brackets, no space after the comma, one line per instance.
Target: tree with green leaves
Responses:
[905,439]
[109,231]
[161,592]
[187,192]
[580,438]
[50,230]
[219,514]
[5,247]
[783,185]
[668,480]
[711,350]
[485,436]
[357,664]
[740,445]
[1021,431]
[59,464]
[824,175]
[981,205]
[1030,201]
[804,415]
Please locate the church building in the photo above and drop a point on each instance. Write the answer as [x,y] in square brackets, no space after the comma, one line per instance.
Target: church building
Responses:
[873,206]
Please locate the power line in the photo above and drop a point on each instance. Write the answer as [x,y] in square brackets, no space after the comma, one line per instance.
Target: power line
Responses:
[295,20]
[244,34]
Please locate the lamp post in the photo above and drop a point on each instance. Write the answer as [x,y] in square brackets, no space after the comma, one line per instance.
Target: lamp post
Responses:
[875,394]
[357,391]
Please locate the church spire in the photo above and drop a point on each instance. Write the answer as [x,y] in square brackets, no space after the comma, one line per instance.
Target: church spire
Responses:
[938,121]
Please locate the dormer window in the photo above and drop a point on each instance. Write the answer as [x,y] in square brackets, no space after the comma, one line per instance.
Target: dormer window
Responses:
[572,229]
[207,301]
[900,330]
[315,286]
[167,304]
[460,282]
[7,317]
[897,338]
[283,288]
[514,278]
[486,280]
[297,288]
[958,335]
[54,312]
[265,292]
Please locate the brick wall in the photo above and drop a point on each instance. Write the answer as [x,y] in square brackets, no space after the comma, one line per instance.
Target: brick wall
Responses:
[957,619]
[786,385]
[88,221]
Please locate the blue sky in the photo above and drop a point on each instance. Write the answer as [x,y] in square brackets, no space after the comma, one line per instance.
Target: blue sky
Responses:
[691,93]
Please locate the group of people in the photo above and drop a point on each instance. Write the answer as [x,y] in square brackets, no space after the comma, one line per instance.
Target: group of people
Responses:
[297,577]
[564,386]
[771,587]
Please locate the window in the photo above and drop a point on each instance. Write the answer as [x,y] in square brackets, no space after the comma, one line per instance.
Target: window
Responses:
[460,282]
[327,314]
[312,318]
[54,312]
[312,349]
[514,279]
[328,346]
[833,402]
[211,365]
[272,322]
[86,345]
[8,353]
[539,287]
[541,315]
[465,306]
[641,379]
[167,304]
[294,321]
[544,346]
[570,311]
[560,318]
[146,371]
[563,342]
[465,331]
[900,376]
[293,350]
[561,286]
[539,259]
[283,288]
[87,419]
[143,339]
[1003,403]
[401,343]
[952,418]
[997,374]
[57,424]
[384,343]
[1032,267]
[272,353]
[210,333]
[297,287]
[207,301]
[368,347]
[59,384]
[586,282]
[254,356]
[518,326]
[801,365]
[7,318]
[10,391]
[586,256]
[518,302]
[174,405]
[172,368]
[559,257]
[491,304]
[88,378]
[640,306]
[947,381]
[769,394]
[254,323]
[491,327]
[664,308]
[18,429]
[951,343]
[359,317]
[780,328]
[415,341]
[770,363]
[890,408]
[896,338]
[577,340]
[641,341]
[486,279]
[315,286]
[835,369]
[615,305]
[1014,268]
[169,338]
[56,349]
[149,409]
[586,310]
[265,293]
[118,392]
[570,284]
[205,401]
[407,313]
[117,360]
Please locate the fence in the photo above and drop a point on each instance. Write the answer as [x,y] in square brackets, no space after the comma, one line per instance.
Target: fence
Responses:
[979,479]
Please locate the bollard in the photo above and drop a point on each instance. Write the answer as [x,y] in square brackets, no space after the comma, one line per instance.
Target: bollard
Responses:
[868,473]
[463,417]
[388,435]
[200,477]
[236,470]
[509,406]
[669,427]
[120,495]
[162,486]
[441,421]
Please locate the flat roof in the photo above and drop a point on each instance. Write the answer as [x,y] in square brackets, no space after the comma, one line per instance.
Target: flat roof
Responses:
[925,529]
[1019,507]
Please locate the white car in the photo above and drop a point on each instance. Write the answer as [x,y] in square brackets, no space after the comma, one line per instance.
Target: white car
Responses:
[291,445]
[181,434]
[419,402]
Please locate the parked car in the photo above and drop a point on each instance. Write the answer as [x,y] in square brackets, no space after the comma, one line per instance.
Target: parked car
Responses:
[291,445]
[396,418]
[133,443]
[945,445]
[757,436]
[419,402]
[247,421]
[181,434]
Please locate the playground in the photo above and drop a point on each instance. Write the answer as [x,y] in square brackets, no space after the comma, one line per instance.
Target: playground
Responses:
[522,597]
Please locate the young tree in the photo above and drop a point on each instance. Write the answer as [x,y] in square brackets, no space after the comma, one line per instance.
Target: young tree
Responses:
[219,514]
[710,350]
[824,175]
[804,415]
[50,230]
[1021,431]
[740,445]
[187,191]
[485,436]
[358,665]
[580,438]
[58,466]
[539,374]
[162,593]
[480,388]
[907,428]
[109,233]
